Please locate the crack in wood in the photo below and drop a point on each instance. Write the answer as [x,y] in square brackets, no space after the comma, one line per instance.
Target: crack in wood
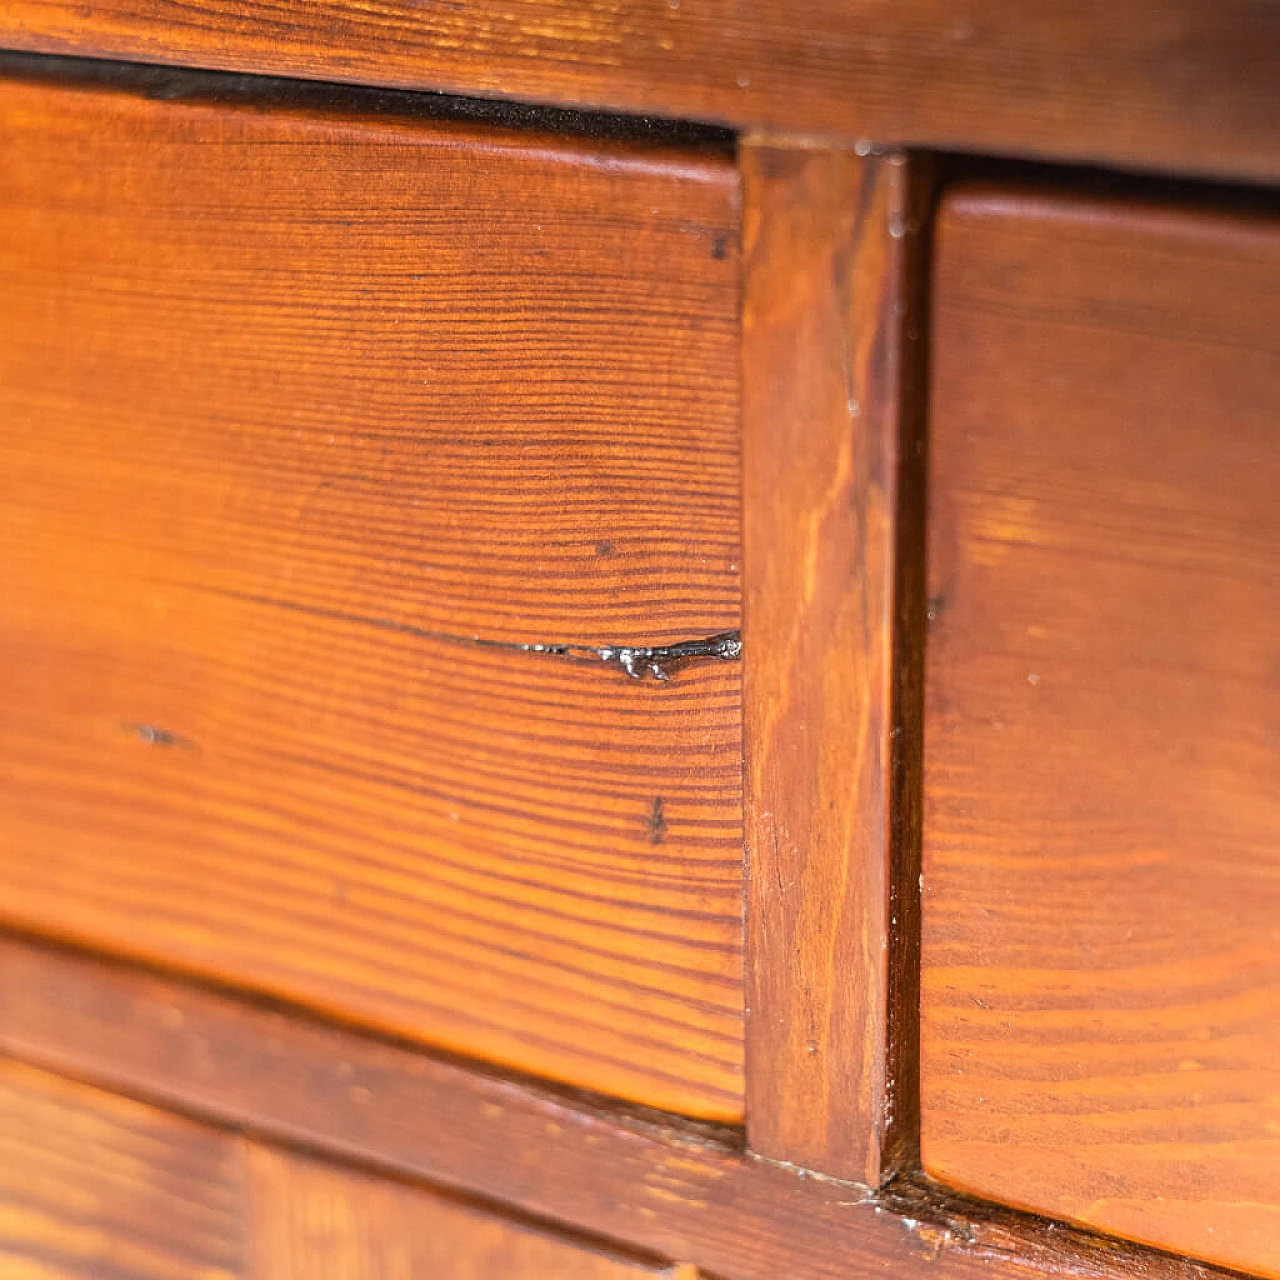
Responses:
[638,661]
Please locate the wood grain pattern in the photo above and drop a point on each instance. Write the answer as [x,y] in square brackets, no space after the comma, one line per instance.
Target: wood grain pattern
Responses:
[827,346]
[309,418]
[314,1220]
[1102,819]
[98,1186]
[669,1192]
[1165,84]
[95,1187]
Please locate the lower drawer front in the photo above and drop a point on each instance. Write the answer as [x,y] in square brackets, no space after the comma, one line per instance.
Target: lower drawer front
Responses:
[98,1186]
[317,431]
[1101,1012]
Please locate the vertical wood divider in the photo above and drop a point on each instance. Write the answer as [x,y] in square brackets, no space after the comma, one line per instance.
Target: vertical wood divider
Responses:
[833,627]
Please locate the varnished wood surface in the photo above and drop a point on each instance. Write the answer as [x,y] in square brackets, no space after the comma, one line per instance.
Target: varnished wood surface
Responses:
[316,1221]
[309,419]
[1102,802]
[668,1192]
[828,342]
[96,1187]
[1163,84]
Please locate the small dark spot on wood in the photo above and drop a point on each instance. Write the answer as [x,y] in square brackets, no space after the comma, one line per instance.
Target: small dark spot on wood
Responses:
[154,736]
[935,607]
[604,548]
[657,823]
[720,247]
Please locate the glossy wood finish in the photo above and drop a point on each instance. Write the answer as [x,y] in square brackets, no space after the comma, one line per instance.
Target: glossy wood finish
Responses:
[100,1187]
[311,420]
[1163,84]
[94,1186]
[828,347]
[672,1192]
[1101,1019]
[315,1220]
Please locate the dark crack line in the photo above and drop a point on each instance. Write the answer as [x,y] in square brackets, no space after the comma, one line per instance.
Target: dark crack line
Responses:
[638,661]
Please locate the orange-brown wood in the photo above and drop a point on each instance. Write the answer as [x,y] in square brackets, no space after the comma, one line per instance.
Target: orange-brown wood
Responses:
[95,1186]
[1165,84]
[310,420]
[828,341]
[673,1191]
[313,1220]
[1101,1016]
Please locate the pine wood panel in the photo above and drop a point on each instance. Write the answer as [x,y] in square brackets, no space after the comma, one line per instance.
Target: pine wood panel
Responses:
[671,1191]
[311,421]
[95,1187]
[98,1186]
[1101,1019]
[1163,84]
[830,330]
[314,1220]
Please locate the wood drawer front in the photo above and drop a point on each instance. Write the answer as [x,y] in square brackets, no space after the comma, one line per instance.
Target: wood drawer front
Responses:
[308,1219]
[96,1186]
[309,421]
[1101,983]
